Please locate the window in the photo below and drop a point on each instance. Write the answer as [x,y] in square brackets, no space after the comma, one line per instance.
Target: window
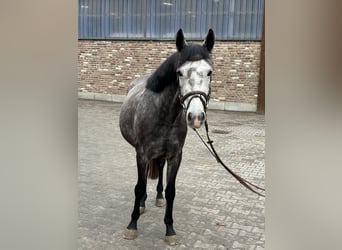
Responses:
[160,19]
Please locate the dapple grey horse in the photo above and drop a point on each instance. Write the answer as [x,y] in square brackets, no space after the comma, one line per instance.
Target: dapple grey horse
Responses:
[155,115]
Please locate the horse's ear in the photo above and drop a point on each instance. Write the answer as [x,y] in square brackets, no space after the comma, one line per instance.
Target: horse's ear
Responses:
[209,40]
[180,40]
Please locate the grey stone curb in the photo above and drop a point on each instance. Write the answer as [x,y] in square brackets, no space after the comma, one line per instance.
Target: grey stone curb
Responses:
[214,105]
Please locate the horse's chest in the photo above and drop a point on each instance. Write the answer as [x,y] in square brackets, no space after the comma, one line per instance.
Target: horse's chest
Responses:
[164,147]
[169,137]
[164,141]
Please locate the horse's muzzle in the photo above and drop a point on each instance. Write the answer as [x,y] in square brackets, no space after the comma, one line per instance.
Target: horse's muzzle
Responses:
[195,121]
[195,116]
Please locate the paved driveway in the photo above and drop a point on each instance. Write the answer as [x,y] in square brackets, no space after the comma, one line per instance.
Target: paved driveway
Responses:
[211,210]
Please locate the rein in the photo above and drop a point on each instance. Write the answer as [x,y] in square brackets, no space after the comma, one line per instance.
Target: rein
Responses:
[204,98]
[212,150]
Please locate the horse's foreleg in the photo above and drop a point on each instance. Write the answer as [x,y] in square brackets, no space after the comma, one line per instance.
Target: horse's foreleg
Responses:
[139,191]
[160,198]
[170,192]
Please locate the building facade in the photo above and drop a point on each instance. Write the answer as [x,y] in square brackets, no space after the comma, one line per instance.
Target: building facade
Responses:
[121,40]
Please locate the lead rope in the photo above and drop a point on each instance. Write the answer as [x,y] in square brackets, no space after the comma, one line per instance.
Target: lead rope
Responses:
[212,150]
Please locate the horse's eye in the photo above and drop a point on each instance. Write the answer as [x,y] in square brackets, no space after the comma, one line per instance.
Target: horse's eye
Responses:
[179,73]
[209,73]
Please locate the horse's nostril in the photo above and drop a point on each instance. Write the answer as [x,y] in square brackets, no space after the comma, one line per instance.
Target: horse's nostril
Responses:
[201,117]
[189,116]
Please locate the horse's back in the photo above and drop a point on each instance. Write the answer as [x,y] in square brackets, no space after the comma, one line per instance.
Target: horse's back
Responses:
[140,81]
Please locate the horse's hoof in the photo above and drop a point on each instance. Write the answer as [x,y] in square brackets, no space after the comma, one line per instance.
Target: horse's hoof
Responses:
[130,234]
[142,210]
[171,240]
[160,202]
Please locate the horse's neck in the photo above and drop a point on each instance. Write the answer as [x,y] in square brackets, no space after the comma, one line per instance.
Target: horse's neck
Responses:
[169,101]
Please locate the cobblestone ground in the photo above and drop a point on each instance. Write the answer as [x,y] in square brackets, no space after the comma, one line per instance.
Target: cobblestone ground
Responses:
[211,210]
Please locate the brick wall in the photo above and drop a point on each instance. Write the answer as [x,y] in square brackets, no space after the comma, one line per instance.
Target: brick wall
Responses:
[109,66]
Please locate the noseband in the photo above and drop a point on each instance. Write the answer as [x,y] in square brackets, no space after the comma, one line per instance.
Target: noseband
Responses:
[204,98]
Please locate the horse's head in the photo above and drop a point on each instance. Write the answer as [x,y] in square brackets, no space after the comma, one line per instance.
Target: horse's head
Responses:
[194,74]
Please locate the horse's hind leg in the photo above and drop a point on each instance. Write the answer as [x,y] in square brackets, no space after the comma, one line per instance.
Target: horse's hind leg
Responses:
[160,201]
[142,203]
[131,232]
[170,192]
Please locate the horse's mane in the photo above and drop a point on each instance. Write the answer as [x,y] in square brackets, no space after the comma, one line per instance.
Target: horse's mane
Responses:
[166,72]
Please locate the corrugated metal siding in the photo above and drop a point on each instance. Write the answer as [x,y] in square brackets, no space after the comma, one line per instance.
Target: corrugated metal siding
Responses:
[160,19]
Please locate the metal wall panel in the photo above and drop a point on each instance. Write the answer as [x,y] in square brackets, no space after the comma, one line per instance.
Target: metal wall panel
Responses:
[160,19]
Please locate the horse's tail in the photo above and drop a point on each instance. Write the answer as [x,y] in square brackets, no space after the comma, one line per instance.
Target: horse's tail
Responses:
[153,169]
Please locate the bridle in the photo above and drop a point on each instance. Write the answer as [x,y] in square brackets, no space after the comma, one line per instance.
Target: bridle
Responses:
[204,98]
